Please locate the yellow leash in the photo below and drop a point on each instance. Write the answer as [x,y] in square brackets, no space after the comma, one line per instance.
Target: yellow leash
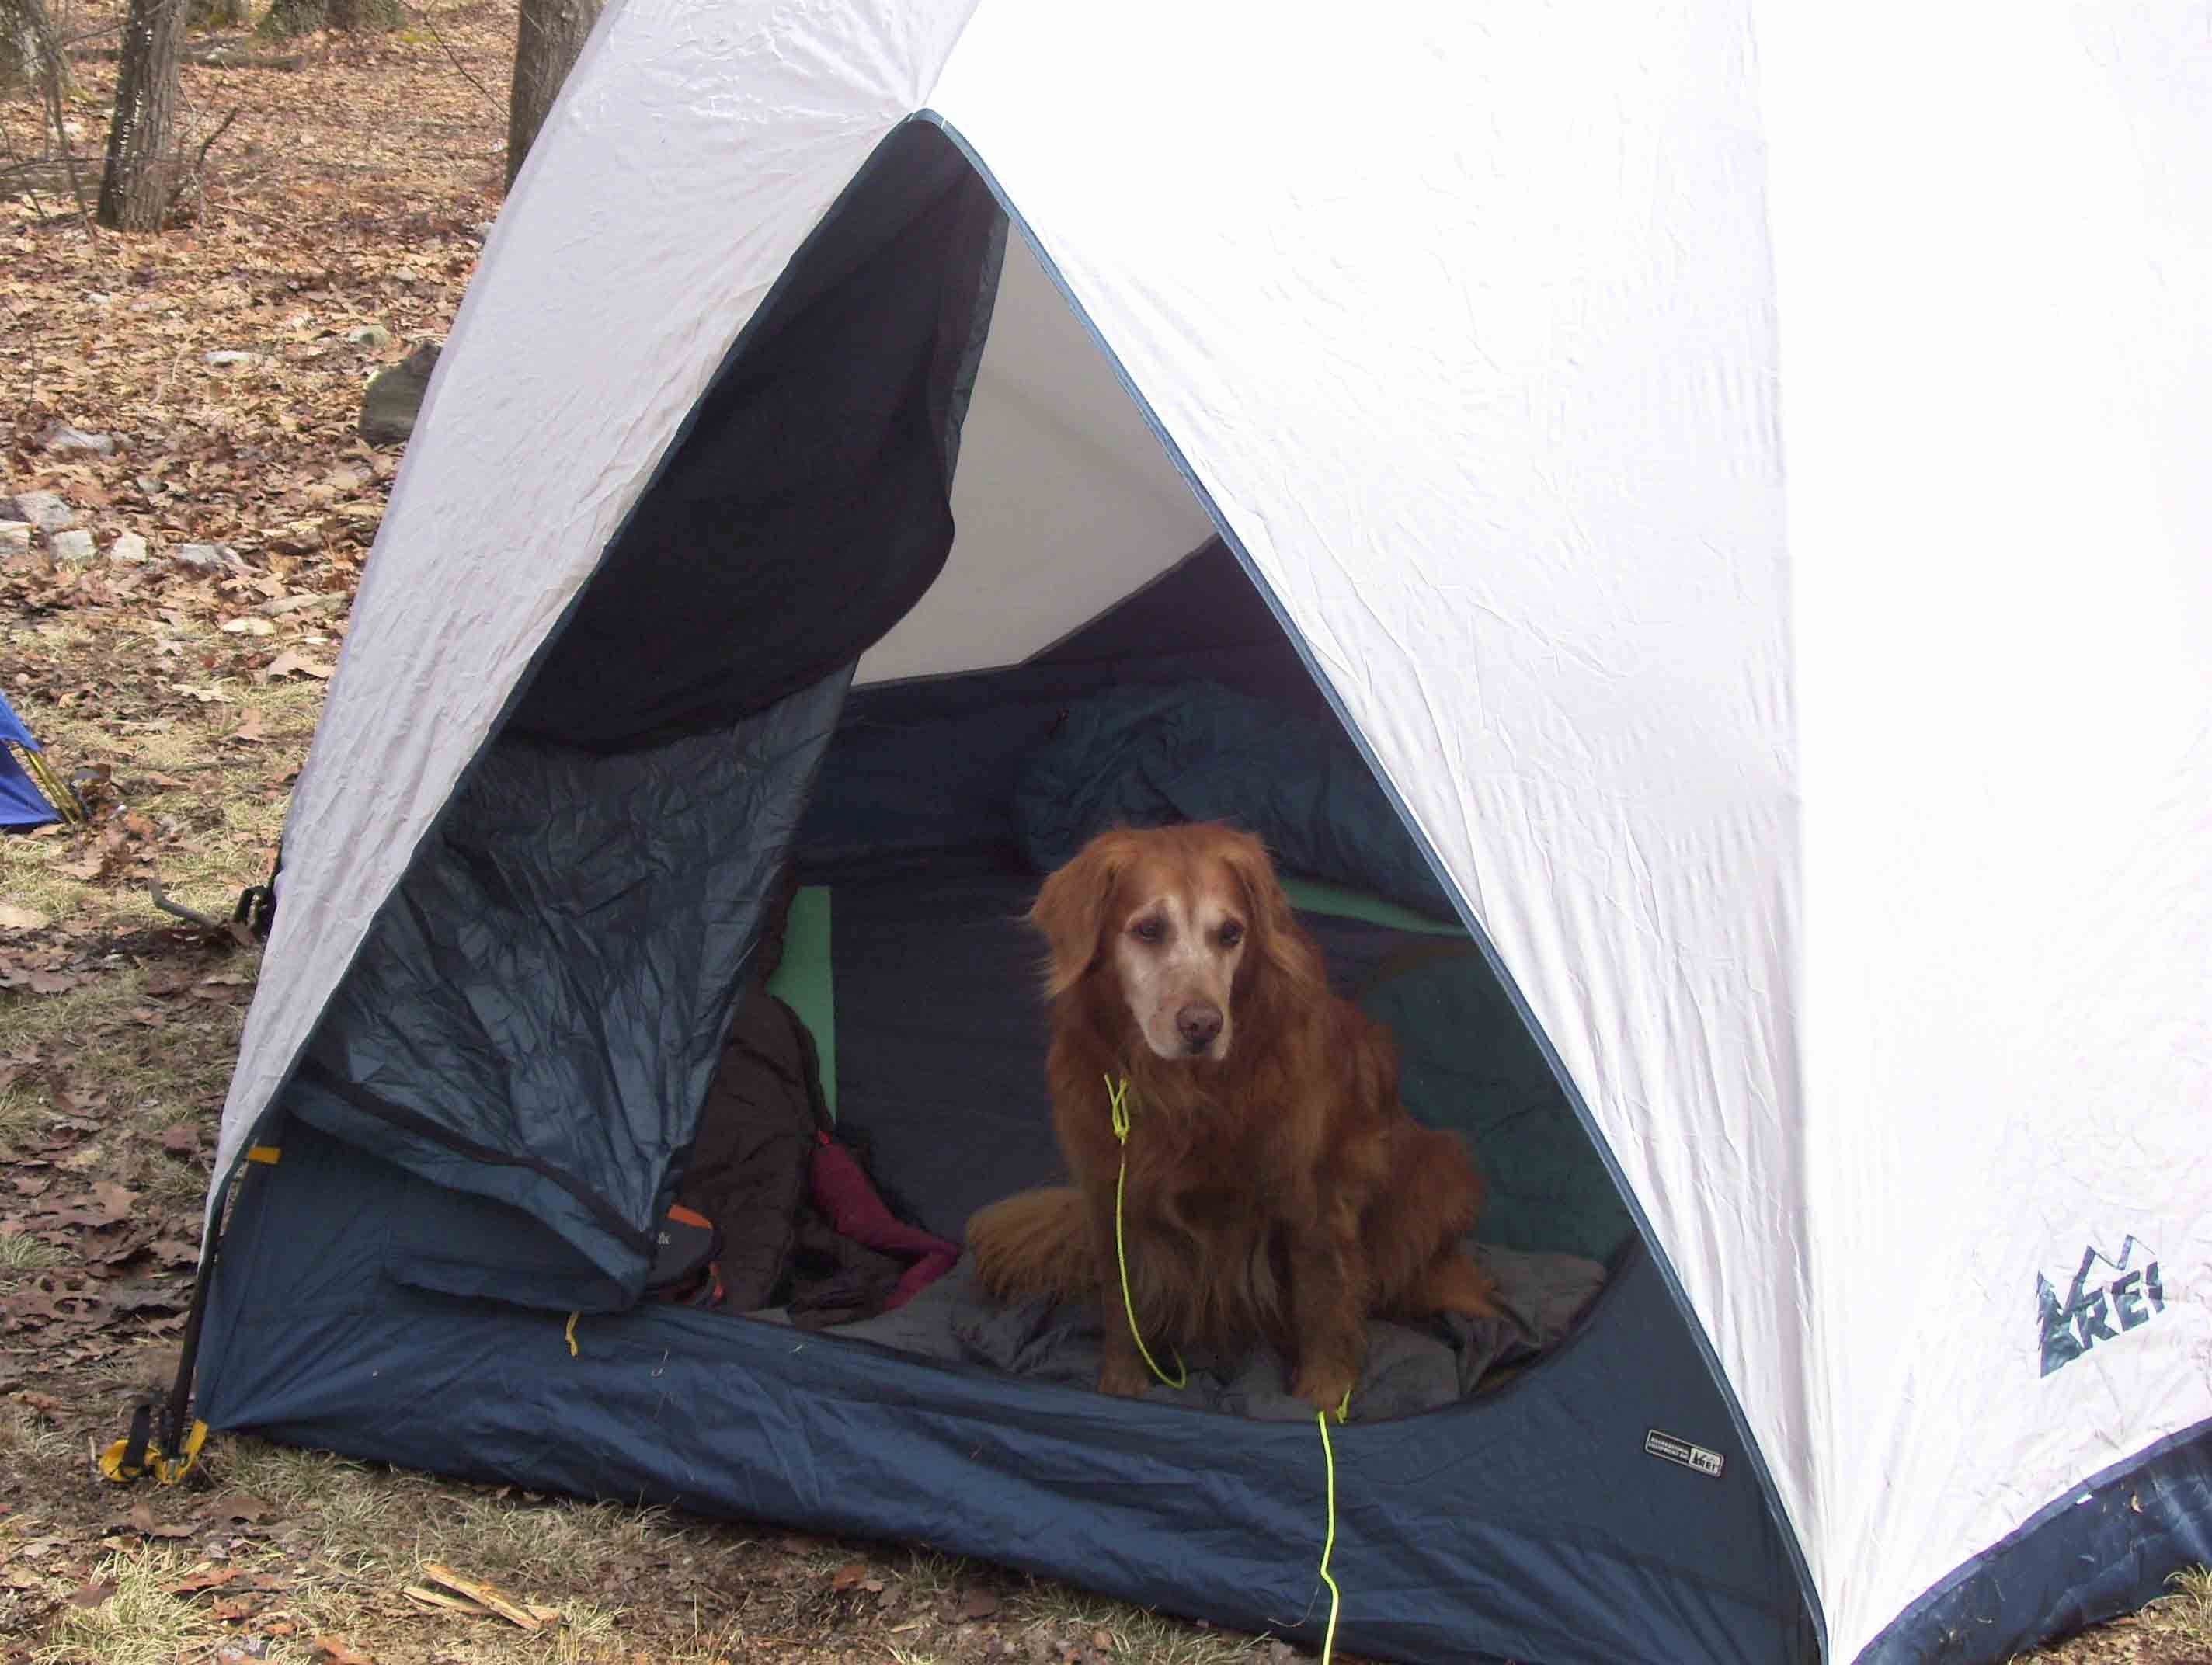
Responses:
[1335,1595]
[1117,1104]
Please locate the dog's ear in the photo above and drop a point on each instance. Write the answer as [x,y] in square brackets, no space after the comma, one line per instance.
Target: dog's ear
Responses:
[1070,911]
[1279,941]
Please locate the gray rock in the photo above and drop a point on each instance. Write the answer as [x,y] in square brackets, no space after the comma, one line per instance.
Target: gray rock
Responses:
[201,558]
[15,537]
[389,408]
[45,510]
[65,440]
[370,334]
[72,545]
[229,356]
[128,546]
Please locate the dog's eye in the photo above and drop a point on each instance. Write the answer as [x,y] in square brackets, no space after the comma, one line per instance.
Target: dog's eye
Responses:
[1147,930]
[1231,934]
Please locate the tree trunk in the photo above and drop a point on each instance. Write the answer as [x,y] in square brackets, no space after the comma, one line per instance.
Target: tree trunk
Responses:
[286,18]
[359,16]
[19,43]
[142,162]
[548,36]
[29,52]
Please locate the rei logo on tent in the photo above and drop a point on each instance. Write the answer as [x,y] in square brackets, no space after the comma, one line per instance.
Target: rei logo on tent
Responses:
[2125,1298]
[1695,1457]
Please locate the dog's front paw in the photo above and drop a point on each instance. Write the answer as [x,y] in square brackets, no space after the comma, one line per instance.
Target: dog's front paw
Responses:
[1325,1385]
[1126,1377]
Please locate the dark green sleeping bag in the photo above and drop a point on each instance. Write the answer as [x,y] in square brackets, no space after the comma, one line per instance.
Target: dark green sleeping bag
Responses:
[1196,751]
[1468,1062]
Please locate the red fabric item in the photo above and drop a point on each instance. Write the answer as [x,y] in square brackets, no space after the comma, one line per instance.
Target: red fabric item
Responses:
[848,1199]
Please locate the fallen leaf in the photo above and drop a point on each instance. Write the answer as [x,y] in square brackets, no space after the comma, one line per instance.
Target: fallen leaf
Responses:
[250,729]
[249,627]
[979,1604]
[141,1519]
[166,979]
[336,1649]
[181,1139]
[14,918]
[202,1578]
[235,1507]
[149,1298]
[93,1594]
[848,1575]
[291,662]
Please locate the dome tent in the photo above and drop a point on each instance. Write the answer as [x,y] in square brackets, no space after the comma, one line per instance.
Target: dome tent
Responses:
[1719,516]
[30,794]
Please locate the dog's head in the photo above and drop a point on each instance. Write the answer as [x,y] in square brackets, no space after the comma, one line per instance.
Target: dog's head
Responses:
[1184,923]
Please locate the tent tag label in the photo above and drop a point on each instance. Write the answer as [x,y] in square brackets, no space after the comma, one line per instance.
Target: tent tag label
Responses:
[1705,1462]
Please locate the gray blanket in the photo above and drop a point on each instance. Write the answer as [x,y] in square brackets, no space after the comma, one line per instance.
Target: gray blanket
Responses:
[1409,1369]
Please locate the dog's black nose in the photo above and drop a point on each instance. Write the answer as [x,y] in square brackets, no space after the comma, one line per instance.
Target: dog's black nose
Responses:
[1197,1024]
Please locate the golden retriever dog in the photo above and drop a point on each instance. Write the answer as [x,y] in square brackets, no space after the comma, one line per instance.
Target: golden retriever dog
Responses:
[1276,1190]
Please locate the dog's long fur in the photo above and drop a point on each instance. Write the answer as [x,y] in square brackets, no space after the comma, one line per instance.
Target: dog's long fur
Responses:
[1276,1187]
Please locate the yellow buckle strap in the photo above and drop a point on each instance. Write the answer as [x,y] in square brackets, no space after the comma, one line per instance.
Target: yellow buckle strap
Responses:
[165,1470]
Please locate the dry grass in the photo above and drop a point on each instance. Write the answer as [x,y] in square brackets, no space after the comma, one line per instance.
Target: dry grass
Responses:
[21,1252]
[210,793]
[27,1437]
[346,1538]
[151,1078]
[2174,1630]
[141,1623]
